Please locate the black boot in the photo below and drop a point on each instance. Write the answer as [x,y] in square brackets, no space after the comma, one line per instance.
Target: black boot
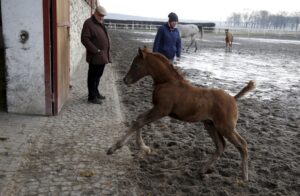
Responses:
[95,101]
[99,96]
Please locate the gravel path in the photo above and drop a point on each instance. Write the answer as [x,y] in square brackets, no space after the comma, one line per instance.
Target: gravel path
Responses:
[66,154]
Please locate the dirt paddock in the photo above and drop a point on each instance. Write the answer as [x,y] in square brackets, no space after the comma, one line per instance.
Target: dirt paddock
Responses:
[270,126]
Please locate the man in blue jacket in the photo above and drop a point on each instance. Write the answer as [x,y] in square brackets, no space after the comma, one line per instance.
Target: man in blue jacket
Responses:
[167,40]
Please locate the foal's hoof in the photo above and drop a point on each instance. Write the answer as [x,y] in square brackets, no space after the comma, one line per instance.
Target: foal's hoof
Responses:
[205,171]
[146,149]
[110,151]
[203,176]
[245,178]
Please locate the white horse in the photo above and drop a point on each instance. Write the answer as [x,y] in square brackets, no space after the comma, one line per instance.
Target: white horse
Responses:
[190,31]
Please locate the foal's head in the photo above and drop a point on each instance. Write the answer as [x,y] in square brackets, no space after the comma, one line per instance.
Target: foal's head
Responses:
[155,64]
[138,68]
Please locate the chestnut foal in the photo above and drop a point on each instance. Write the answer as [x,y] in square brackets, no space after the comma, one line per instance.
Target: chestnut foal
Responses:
[175,97]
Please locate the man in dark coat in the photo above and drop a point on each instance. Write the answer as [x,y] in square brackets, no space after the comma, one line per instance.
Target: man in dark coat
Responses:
[95,38]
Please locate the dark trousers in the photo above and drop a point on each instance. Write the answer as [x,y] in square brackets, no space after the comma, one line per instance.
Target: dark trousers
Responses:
[94,74]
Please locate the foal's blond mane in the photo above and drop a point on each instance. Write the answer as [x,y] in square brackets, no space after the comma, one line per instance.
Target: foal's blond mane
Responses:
[169,65]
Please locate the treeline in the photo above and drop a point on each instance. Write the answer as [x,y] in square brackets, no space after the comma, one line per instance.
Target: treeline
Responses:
[265,20]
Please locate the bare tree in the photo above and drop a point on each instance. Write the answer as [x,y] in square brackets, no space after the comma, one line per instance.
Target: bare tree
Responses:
[264,19]
[245,18]
[296,20]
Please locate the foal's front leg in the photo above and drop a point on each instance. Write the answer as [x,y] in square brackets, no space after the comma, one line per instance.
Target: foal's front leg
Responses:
[139,139]
[142,120]
[140,142]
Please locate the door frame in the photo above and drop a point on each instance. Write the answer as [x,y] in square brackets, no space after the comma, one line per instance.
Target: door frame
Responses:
[49,102]
[51,58]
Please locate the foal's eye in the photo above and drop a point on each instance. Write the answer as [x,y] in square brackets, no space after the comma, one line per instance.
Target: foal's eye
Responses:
[135,66]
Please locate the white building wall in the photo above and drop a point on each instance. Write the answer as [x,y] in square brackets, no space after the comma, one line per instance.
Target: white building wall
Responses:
[24,61]
[79,12]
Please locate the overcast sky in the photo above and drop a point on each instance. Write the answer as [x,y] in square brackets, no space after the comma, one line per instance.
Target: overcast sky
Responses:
[209,10]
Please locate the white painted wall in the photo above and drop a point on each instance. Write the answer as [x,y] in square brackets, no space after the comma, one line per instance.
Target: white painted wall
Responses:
[79,12]
[24,61]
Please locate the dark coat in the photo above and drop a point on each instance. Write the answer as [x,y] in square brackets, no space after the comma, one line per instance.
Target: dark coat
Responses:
[167,41]
[94,36]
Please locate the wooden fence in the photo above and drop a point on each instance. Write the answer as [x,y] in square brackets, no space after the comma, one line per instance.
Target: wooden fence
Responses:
[132,26]
[241,32]
[264,33]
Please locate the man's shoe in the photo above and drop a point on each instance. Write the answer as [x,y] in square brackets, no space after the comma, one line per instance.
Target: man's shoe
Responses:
[99,96]
[95,101]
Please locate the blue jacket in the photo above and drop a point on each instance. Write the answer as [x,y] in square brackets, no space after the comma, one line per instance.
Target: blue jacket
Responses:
[167,42]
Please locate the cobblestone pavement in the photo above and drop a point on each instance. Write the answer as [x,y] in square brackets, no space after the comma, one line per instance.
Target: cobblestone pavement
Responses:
[66,154]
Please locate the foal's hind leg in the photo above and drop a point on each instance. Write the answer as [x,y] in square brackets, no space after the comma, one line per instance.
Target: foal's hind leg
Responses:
[142,120]
[219,143]
[241,145]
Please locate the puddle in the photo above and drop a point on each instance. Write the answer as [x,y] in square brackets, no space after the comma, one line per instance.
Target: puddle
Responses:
[272,41]
[269,71]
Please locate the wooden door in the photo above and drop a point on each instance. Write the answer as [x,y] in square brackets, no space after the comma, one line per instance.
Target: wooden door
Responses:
[61,52]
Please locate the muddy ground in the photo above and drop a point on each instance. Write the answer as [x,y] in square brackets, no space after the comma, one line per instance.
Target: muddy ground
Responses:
[270,126]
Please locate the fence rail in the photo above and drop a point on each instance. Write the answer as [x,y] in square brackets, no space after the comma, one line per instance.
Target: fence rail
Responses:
[244,32]
[132,26]
[249,32]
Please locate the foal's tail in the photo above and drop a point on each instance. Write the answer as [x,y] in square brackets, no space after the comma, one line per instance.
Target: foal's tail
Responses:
[250,86]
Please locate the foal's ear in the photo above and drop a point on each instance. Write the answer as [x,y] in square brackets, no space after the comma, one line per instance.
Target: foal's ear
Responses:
[142,53]
[146,49]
